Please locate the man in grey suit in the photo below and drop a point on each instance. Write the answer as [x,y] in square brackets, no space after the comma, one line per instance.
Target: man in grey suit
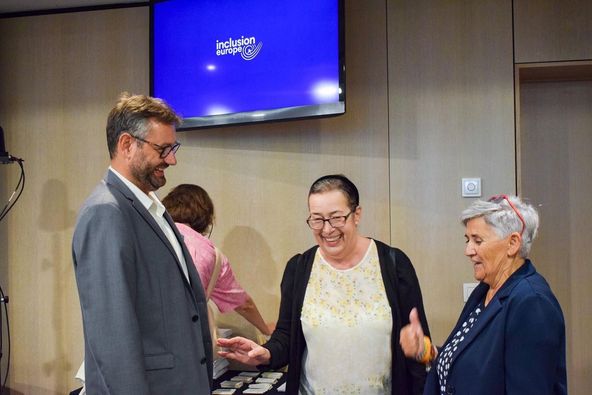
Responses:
[143,306]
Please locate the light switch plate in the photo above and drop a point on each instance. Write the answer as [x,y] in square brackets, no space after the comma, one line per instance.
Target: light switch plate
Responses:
[471,187]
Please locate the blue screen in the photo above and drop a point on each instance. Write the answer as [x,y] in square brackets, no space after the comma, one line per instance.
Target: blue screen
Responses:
[213,57]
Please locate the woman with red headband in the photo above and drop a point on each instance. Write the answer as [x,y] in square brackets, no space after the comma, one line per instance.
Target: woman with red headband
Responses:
[510,337]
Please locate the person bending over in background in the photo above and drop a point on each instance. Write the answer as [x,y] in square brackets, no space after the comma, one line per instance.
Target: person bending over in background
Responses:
[510,336]
[193,212]
[342,306]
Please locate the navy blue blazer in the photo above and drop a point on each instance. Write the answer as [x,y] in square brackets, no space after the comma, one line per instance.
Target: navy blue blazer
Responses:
[517,345]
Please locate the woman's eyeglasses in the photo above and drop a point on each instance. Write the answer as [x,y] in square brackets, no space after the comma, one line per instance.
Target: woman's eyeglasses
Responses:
[335,222]
[500,198]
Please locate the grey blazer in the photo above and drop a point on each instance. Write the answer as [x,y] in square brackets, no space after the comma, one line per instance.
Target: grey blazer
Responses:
[145,325]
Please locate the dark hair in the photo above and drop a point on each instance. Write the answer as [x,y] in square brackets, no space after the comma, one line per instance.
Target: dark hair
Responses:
[337,182]
[190,204]
[132,114]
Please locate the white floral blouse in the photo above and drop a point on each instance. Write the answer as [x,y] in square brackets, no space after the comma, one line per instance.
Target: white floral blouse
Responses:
[347,323]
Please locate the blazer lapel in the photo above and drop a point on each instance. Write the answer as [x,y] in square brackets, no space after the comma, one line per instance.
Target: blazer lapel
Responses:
[483,320]
[155,227]
[495,306]
[113,180]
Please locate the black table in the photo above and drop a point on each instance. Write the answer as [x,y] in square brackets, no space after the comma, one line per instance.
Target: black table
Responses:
[231,373]
[227,376]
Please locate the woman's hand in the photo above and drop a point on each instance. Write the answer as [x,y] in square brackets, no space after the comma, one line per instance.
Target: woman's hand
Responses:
[244,351]
[411,336]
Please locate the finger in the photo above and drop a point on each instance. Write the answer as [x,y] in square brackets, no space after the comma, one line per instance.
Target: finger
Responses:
[415,323]
[414,317]
[232,340]
[234,356]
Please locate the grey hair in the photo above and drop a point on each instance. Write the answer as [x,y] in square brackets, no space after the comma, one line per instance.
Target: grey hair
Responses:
[502,218]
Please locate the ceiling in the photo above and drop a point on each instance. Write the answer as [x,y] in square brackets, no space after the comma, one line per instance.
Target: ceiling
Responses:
[9,6]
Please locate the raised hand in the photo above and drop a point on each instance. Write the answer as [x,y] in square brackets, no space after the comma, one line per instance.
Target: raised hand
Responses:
[244,351]
[411,336]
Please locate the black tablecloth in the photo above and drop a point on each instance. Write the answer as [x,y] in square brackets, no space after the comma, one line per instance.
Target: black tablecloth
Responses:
[227,376]
[231,373]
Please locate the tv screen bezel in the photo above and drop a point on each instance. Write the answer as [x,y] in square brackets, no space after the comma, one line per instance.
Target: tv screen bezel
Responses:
[265,115]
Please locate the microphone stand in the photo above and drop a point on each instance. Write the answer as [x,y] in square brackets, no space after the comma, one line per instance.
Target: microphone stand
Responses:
[5,158]
[3,301]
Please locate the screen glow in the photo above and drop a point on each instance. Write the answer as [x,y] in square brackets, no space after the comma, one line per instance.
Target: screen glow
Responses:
[212,57]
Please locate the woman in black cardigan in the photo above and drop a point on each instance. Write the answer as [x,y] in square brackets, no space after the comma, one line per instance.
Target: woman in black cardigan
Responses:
[343,304]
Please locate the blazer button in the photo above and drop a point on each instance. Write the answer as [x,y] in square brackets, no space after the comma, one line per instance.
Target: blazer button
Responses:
[203,361]
[450,389]
[194,318]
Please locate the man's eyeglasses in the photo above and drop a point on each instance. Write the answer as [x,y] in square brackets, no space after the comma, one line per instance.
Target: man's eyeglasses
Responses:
[163,150]
[500,198]
[335,222]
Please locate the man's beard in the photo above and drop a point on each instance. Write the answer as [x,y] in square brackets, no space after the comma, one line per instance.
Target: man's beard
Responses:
[144,173]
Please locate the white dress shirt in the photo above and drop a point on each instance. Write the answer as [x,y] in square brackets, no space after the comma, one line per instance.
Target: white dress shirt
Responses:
[156,209]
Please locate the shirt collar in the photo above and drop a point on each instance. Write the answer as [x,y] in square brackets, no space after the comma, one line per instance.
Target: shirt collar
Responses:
[147,200]
[160,209]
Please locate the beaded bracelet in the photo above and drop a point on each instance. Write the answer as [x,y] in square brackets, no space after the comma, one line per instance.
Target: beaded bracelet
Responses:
[427,354]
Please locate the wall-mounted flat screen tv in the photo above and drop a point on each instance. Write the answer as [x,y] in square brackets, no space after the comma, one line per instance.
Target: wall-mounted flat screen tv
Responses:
[219,62]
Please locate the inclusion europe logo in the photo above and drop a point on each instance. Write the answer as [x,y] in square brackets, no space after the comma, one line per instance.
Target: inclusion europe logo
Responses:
[247,47]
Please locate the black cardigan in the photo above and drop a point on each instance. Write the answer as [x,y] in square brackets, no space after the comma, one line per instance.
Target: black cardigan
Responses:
[287,343]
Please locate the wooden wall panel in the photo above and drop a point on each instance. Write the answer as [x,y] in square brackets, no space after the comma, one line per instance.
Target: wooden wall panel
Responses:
[556,141]
[60,74]
[451,115]
[552,30]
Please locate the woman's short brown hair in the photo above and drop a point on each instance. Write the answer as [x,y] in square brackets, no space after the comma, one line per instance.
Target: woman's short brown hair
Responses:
[190,204]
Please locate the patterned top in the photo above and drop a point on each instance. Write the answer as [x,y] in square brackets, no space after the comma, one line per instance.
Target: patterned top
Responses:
[347,324]
[449,350]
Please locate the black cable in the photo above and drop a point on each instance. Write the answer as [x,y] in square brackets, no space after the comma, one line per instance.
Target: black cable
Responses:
[20,187]
[21,184]
[4,301]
